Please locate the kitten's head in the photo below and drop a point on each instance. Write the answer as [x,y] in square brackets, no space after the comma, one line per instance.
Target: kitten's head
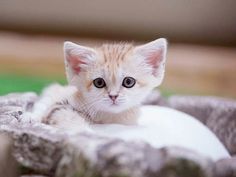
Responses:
[115,77]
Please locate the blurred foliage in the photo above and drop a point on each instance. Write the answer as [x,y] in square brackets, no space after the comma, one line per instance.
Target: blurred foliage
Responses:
[23,83]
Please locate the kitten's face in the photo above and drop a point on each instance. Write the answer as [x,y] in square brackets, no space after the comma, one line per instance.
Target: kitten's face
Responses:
[115,77]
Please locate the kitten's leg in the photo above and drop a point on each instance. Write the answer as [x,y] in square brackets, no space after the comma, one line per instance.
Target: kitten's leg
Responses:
[50,95]
[67,119]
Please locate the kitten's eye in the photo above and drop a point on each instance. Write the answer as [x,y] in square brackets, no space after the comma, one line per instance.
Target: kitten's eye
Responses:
[128,82]
[99,83]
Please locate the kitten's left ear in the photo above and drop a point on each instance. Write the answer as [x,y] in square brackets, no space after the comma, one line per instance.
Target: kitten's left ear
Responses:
[77,57]
[154,55]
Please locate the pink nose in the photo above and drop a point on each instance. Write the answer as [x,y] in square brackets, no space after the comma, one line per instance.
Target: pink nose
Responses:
[113,97]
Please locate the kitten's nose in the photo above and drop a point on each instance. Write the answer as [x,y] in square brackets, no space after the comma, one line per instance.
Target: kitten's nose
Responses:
[113,97]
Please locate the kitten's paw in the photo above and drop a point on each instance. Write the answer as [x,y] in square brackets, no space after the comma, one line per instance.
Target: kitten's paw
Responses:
[26,118]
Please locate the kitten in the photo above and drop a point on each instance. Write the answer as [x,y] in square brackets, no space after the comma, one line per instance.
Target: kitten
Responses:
[106,84]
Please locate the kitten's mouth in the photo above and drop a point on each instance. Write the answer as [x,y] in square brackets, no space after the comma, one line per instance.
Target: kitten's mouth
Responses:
[114,104]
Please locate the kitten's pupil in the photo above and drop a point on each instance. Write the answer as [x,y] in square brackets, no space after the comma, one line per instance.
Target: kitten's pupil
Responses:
[128,82]
[99,82]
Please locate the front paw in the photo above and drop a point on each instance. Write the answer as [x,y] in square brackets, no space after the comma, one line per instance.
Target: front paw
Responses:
[26,118]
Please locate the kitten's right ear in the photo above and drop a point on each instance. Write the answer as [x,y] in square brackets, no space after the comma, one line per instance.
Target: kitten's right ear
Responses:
[77,57]
[153,55]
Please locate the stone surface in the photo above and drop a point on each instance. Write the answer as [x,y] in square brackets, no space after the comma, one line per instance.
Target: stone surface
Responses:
[12,106]
[8,165]
[37,147]
[104,157]
[226,167]
[48,151]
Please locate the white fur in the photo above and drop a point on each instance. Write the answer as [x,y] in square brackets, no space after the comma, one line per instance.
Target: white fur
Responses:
[50,95]
[162,127]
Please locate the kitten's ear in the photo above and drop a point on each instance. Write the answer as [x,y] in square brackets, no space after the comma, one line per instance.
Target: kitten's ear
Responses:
[153,55]
[77,57]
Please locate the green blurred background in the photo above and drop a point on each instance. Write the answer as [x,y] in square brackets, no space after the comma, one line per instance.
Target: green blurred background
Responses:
[22,83]
[201,35]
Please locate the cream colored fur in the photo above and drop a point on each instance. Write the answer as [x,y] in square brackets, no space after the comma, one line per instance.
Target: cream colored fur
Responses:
[112,62]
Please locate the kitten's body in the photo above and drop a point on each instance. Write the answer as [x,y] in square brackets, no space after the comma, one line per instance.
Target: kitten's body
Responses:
[107,86]
[83,102]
